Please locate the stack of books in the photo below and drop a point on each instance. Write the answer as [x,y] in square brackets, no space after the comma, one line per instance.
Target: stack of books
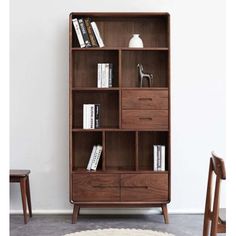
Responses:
[104,78]
[87,33]
[91,116]
[94,157]
[158,157]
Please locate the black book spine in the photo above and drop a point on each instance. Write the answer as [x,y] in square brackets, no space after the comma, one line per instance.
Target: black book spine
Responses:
[97,116]
[84,33]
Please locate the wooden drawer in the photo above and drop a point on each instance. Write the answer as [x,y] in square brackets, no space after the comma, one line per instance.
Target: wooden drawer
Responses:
[145,99]
[145,119]
[95,187]
[144,187]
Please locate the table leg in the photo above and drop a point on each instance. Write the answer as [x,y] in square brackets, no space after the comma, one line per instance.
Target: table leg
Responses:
[23,196]
[28,197]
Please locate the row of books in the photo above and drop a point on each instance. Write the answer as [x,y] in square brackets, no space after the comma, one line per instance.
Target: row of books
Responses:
[158,157]
[87,33]
[94,157]
[91,116]
[104,77]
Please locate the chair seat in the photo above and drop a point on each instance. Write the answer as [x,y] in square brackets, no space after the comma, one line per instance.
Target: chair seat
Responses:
[19,173]
[222,215]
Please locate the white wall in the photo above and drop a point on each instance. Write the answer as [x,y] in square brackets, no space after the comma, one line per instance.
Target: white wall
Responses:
[39,95]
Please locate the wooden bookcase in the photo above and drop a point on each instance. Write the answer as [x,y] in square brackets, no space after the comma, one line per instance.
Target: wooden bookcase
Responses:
[133,119]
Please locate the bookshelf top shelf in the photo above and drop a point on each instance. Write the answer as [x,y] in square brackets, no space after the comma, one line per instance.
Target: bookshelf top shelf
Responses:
[119,14]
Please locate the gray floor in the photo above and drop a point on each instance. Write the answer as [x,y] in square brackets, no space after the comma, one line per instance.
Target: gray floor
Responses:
[57,225]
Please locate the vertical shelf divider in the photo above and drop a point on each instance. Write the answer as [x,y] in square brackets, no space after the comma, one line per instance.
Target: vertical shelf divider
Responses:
[136,151]
[119,85]
[104,150]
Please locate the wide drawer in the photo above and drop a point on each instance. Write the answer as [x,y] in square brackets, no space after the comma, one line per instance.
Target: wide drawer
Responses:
[145,99]
[144,187]
[145,119]
[95,187]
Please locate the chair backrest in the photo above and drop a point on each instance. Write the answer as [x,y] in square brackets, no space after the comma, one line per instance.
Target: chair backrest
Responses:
[218,166]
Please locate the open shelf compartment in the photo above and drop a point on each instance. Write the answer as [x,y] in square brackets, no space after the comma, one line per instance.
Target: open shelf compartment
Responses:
[85,67]
[154,62]
[109,107]
[146,140]
[120,151]
[82,145]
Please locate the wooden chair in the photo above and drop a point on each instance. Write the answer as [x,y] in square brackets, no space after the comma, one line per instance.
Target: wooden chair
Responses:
[22,177]
[216,216]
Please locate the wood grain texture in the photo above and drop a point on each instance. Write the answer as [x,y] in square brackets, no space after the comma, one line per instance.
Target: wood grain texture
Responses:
[144,99]
[96,187]
[155,119]
[144,187]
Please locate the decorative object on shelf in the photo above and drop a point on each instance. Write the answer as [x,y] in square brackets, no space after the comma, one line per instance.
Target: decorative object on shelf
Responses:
[136,42]
[143,75]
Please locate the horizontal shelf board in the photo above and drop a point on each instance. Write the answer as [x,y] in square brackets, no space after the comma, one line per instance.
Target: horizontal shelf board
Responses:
[120,49]
[84,171]
[120,14]
[144,88]
[94,89]
[117,130]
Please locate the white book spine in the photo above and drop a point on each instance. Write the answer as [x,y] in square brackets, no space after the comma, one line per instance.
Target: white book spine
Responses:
[99,76]
[110,75]
[155,157]
[97,157]
[91,158]
[107,72]
[103,74]
[97,34]
[158,157]
[163,160]
[84,116]
[78,33]
[88,116]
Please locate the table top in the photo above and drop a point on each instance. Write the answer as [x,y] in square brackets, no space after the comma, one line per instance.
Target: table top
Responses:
[19,172]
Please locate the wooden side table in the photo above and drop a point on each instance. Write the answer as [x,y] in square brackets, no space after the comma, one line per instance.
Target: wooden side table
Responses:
[22,177]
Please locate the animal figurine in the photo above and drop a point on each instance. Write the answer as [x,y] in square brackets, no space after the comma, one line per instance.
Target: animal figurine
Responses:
[143,75]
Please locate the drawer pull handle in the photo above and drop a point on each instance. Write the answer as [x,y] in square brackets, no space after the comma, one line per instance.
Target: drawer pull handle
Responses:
[146,187]
[145,118]
[100,186]
[145,99]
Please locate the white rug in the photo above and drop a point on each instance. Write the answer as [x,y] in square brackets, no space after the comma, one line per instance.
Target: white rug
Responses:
[119,232]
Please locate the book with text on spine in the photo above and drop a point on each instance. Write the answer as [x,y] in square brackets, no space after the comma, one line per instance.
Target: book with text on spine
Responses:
[96,158]
[91,158]
[91,34]
[78,32]
[84,33]
[97,34]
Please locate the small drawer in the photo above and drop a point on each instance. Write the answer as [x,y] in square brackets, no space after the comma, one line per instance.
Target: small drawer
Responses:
[145,99]
[96,187]
[145,119]
[144,187]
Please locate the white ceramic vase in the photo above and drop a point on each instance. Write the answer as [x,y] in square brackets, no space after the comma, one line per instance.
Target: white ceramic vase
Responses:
[135,42]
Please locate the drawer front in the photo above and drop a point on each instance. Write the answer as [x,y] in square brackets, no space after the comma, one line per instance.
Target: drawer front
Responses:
[144,187]
[145,119]
[145,99]
[95,187]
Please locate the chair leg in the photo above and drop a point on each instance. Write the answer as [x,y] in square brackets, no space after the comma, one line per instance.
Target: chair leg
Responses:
[23,196]
[165,213]
[28,197]
[206,225]
[75,213]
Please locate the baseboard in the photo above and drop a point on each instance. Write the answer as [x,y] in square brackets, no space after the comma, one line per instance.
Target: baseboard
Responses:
[111,211]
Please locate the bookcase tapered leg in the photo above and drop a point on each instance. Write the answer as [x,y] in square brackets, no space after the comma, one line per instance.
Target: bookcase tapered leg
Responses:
[75,213]
[165,213]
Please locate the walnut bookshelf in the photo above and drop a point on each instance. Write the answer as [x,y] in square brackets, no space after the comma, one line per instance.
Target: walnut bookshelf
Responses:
[133,119]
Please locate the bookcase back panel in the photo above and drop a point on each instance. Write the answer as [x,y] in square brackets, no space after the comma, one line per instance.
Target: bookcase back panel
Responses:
[109,107]
[155,62]
[120,150]
[85,66]
[82,145]
[145,149]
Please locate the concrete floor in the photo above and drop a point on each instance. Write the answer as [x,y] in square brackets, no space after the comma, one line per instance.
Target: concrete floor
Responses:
[57,225]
